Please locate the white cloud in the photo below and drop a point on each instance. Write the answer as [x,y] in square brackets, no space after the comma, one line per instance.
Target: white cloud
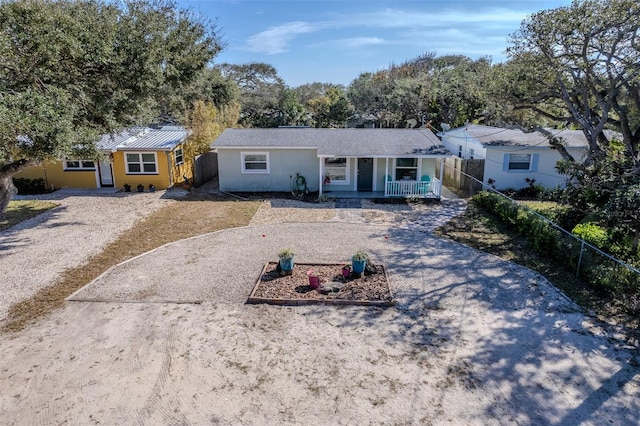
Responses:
[394,18]
[277,39]
[353,42]
[415,24]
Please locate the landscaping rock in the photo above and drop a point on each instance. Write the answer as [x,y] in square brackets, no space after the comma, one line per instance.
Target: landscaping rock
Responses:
[333,286]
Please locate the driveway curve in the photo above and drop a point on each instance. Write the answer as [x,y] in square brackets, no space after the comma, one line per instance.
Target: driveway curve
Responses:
[35,252]
[472,339]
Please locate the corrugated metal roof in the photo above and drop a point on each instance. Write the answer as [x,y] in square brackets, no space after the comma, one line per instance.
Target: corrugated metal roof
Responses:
[338,142]
[144,138]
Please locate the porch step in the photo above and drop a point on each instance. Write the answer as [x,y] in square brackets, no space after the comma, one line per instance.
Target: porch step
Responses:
[348,203]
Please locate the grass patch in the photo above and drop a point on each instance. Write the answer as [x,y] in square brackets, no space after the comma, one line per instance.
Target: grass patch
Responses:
[173,222]
[20,210]
[484,231]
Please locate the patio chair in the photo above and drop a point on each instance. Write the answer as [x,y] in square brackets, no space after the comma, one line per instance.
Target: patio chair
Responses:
[425,189]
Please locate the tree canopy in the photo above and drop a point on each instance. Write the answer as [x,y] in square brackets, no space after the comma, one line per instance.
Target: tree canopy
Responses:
[449,89]
[580,65]
[70,71]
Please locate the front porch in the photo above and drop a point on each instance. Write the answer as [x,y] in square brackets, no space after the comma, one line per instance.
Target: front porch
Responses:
[386,177]
[411,188]
[397,189]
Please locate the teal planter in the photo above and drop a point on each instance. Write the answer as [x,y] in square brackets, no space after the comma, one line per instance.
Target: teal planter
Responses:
[286,264]
[358,266]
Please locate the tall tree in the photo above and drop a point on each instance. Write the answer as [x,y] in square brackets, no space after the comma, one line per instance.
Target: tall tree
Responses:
[581,65]
[585,57]
[369,94]
[457,89]
[260,92]
[447,89]
[330,110]
[291,111]
[71,70]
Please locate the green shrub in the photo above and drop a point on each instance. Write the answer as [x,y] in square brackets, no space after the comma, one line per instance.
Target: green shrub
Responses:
[29,186]
[596,270]
[592,233]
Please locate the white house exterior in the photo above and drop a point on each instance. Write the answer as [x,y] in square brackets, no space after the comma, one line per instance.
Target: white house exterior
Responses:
[376,162]
[512,155]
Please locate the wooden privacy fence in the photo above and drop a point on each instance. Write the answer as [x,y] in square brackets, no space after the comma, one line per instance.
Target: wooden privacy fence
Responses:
[205,168]
[464,175]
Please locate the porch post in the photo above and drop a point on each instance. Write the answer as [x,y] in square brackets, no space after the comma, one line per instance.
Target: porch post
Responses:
[320,179]
[386,177]
[441,174]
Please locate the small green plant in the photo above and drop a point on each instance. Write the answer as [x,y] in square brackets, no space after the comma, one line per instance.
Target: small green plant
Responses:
[286,253]
[592,233]
[360,255]
[29,186]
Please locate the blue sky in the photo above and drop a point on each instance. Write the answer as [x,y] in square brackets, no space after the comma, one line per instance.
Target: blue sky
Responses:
[333,41]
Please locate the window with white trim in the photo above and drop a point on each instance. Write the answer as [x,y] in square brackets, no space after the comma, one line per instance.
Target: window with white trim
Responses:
[519,162]
[179,156]
[459,151]
[255,162]
[140,163]
[336,170]
[79,165]
[406,169]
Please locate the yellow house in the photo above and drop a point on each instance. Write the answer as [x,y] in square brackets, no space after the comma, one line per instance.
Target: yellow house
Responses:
[137,156]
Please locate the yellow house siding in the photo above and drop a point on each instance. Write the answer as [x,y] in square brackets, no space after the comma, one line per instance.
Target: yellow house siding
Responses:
[33,172]
[178,171]
[160,180]
[55,176]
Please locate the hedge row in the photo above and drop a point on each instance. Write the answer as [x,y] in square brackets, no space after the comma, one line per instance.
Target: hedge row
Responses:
[593,268]
[29,186]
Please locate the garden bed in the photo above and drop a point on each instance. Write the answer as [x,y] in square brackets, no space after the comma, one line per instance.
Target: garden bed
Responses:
[274,288]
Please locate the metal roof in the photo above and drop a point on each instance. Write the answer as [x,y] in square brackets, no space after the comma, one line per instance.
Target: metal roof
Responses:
[338,142]
[144,138]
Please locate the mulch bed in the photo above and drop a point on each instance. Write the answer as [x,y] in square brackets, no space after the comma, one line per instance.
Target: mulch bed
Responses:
[368,289]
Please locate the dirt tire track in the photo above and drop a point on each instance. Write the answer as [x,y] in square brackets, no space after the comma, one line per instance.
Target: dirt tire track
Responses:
[155,400]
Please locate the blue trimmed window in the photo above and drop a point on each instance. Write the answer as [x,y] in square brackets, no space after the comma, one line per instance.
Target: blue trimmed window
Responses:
[520,162]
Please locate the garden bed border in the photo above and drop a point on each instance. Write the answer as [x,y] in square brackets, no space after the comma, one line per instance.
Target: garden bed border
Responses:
[253,299]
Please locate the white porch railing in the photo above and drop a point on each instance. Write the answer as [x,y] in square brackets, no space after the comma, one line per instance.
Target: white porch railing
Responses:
[412,188]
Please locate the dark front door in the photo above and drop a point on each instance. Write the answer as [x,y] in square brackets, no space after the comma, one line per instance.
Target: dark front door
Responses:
[365,174]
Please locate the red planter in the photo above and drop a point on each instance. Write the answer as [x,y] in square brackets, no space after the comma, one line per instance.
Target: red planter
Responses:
[314,282]
[346,271]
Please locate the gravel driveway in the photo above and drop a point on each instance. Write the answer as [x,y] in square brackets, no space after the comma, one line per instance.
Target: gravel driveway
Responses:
[35,252]
[472,339]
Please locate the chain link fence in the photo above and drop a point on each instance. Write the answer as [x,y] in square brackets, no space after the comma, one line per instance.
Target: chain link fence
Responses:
[591,265]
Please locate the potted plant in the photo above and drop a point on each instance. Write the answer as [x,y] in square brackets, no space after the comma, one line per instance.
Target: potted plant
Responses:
[314,280]
[359,261]
[140,187]
[286,260]
[152,188]
[127,187]
[187,183]
[346,270]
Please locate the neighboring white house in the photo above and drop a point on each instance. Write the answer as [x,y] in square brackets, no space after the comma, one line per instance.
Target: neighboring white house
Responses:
[512,155]
[380,162]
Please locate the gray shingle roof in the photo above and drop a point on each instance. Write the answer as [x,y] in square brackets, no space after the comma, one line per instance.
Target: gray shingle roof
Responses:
[144,138]
[496,136]
[338,142]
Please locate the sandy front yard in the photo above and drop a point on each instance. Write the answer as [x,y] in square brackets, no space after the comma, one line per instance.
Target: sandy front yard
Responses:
[472,340]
